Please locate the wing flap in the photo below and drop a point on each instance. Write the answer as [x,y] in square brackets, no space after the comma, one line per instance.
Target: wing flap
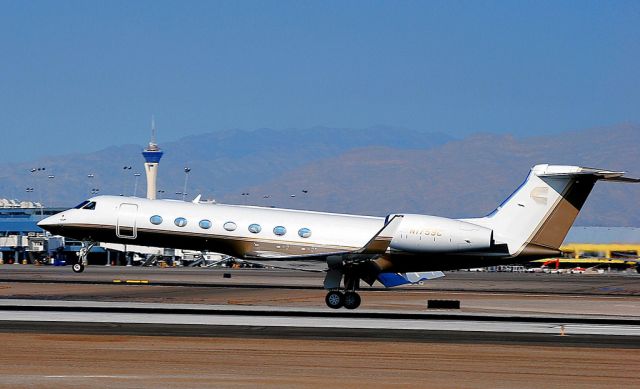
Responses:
[309,265]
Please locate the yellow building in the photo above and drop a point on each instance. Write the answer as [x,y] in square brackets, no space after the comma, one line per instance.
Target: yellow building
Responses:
[610,246]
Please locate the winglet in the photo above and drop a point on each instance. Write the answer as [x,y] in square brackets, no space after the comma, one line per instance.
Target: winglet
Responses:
[197,199]
[380,241]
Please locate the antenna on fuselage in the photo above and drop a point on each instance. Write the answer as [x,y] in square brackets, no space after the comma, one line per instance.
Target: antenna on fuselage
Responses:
[153,142]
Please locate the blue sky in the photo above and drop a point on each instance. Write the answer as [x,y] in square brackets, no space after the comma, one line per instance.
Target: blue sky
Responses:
[82,75]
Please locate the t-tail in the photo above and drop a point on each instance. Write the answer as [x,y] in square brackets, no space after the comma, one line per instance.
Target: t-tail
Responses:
[536,218]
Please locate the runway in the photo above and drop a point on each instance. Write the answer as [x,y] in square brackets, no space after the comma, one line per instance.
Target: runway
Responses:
[593,310]
[112,317]
[615,296]
[584,284]
[196,328]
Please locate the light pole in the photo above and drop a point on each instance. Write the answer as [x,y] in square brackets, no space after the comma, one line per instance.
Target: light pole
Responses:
[90,177]
[186,178]
[135,186]
[124,181]
[50,181]
[35,172]
[30,190]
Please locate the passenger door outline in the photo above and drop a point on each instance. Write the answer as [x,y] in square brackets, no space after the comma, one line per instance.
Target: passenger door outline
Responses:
[126,226]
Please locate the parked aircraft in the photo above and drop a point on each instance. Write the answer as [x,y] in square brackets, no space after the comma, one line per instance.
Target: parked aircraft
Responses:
[399,249]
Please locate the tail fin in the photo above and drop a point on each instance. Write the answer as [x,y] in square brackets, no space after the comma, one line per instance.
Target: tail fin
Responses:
[535,219]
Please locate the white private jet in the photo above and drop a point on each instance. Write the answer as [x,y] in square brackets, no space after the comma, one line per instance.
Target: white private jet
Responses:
[399,249]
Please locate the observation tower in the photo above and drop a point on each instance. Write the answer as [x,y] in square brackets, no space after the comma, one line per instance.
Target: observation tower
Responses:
[152,155]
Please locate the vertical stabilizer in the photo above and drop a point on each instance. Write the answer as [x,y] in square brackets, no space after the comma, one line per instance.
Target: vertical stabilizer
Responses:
[535,219]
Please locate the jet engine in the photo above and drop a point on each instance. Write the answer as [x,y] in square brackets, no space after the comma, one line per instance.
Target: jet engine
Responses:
[432,234]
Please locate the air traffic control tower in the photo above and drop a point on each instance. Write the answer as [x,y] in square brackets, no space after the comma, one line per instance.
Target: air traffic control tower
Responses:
[152,155]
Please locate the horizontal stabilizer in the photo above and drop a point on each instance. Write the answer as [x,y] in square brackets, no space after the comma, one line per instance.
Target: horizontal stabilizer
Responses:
[601,174]
[395,279]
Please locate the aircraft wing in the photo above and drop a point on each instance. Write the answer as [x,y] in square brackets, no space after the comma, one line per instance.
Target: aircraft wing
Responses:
[375,247]
[381,241]
[311,265]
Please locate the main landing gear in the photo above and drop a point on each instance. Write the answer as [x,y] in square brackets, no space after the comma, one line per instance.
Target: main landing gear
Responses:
[336,299]
[78,267]
[337,296]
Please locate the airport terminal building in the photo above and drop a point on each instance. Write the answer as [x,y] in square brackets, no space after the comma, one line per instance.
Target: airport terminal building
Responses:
[22,240]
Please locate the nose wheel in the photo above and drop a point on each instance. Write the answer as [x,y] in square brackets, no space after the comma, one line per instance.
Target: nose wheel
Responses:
[77,268]
[336,299]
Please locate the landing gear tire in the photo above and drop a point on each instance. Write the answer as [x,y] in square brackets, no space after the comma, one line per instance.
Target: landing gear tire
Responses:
[77,268]
[352,300]
[334,299]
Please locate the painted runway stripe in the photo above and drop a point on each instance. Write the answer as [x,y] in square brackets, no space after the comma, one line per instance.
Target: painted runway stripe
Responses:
[93,376]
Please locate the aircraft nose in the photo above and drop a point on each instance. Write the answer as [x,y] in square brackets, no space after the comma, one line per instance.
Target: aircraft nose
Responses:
[53,224]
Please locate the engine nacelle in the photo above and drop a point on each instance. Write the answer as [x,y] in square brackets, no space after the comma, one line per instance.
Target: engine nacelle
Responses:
[432,234]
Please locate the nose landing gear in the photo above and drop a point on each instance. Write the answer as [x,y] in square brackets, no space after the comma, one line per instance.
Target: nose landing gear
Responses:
[79,266]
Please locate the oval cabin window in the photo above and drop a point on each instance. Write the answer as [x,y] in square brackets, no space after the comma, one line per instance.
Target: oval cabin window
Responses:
[279,230]
[205,224]
[255,228]
[304,232]
[230,226]
[156,219]
[180,222]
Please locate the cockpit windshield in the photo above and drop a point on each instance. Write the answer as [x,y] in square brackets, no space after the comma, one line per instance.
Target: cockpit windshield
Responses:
[82,204]
[86,205]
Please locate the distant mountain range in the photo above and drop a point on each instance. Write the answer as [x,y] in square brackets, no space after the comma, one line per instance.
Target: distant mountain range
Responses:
[222,163]
[375,171]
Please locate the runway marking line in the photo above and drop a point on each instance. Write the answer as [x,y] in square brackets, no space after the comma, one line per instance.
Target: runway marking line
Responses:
[91,376]
[131,281]
[577,295]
